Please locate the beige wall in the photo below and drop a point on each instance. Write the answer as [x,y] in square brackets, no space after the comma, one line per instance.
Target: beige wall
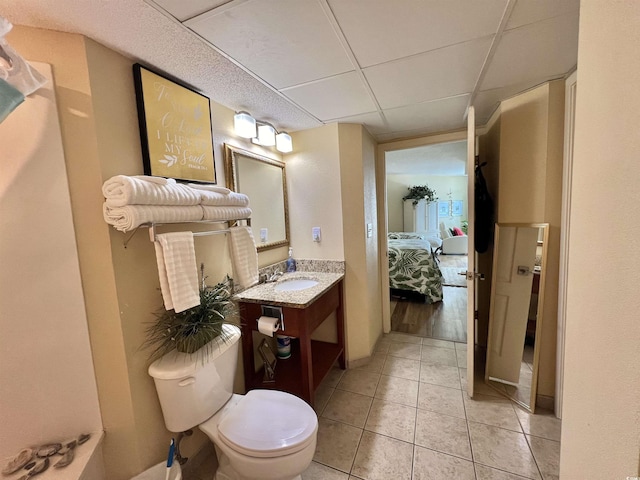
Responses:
[397,188]
[530,191]
[46,369]
[315,197]
[362,298]
[100,137]
[601,411]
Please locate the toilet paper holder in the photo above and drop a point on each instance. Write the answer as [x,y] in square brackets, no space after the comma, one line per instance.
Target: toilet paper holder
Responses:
[269,359]
[274,312]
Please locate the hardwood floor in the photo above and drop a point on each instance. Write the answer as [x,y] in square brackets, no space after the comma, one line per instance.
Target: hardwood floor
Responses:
[446,320]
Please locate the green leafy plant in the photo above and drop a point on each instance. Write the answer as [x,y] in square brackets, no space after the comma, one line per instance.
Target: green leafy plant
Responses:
[464,226]
[196,327]
[418,192]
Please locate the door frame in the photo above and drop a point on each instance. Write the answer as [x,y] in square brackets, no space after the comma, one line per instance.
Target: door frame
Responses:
[381,182]
[563,274]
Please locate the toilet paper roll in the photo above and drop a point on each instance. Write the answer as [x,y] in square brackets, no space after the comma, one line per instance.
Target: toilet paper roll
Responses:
[268,325]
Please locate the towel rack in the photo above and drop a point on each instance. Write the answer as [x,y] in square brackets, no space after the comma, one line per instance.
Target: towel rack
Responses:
[152,228]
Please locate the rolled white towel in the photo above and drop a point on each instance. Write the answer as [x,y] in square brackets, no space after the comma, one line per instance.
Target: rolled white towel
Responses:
[210,188]
[123,190]
[158,180]
[129,217]
[225,213]
[220,199]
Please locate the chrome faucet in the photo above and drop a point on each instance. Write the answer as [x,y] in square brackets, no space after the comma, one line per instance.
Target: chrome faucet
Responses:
[277,274]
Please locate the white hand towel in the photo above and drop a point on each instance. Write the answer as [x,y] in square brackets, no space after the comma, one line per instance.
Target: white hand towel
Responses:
[177,270]
[122,190]
[210,188]
[244,256]
[128,217]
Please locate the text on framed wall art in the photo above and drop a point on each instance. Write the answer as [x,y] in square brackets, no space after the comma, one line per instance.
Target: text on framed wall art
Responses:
[175,128]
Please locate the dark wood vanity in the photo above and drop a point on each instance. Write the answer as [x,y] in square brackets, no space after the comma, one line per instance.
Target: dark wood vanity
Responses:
[310,360]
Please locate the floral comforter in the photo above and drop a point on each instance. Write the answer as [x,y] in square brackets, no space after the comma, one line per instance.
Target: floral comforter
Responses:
[413,266]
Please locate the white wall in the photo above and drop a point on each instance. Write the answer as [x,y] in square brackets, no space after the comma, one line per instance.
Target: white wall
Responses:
[397,188]
[46,368]
[601,410]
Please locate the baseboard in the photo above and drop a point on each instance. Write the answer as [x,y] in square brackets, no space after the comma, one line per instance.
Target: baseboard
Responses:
[360,362]
[545,402]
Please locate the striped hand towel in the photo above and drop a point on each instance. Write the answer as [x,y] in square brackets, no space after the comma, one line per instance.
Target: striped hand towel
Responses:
[244,256]
[177,270]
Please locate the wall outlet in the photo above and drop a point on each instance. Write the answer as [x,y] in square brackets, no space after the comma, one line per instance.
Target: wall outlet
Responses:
[369,230]
[264,234]
[315,233]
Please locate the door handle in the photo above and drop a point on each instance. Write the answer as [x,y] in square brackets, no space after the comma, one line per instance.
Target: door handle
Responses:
[472,275]
[524,270]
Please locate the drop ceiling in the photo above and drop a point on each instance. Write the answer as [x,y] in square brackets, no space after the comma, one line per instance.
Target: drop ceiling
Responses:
[402,68]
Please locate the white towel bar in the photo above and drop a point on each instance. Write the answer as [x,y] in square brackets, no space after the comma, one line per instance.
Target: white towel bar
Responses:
[152,228]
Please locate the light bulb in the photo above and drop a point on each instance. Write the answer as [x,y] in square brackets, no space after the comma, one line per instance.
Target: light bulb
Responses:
[284,143]
[266,135]
[244,125]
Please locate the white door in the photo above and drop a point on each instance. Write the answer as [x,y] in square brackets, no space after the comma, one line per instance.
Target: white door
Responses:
[432,224]
[513,276]
[471,259]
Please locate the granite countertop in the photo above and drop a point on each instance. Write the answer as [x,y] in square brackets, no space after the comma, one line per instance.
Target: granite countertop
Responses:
[266,292]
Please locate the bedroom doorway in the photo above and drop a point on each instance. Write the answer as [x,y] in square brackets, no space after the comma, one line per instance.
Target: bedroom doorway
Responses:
[427,296]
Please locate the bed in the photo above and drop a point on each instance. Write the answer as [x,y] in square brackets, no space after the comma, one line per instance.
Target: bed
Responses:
[413,266]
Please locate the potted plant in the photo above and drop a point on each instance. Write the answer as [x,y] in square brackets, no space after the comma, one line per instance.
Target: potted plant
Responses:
[193,329]
[418,192]
[465,226]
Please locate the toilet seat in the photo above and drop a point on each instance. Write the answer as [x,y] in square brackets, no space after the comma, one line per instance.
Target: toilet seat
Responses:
[268,423]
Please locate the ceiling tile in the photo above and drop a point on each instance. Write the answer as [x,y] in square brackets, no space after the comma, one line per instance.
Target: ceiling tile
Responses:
[543,49]
[429,117]
[372,121]
[437,74]
[438,159]
[284,42]
[184,10]
[380,31]
[340,96]
[525,13]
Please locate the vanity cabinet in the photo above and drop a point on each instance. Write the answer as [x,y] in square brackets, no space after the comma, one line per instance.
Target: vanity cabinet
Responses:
[310,360]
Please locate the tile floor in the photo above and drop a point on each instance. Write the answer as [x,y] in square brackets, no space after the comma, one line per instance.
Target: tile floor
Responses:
[405,416]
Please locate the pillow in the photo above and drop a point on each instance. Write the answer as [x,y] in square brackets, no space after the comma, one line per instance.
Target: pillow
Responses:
[458,232]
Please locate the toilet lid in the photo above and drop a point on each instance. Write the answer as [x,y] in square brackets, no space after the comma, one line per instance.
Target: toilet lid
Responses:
[268,423]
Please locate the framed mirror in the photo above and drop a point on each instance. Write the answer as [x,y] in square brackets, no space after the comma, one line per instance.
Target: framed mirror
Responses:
[515,312]
[263,180]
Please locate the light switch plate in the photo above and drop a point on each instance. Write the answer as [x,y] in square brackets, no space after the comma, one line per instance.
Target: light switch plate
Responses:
[315,233]
[369,230]
[264,234]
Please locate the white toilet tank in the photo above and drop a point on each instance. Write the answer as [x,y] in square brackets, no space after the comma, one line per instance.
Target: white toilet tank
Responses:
[192,388]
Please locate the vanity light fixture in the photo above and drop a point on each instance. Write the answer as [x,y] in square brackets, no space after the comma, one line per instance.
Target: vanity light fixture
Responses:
[261,133]
[244,125]
[283,142]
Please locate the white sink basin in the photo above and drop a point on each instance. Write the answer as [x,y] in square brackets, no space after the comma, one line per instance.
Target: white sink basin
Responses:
[295,284]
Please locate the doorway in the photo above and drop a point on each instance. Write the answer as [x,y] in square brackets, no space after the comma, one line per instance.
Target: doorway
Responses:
[433,303]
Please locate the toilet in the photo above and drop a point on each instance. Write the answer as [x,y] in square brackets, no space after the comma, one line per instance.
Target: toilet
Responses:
[265,434]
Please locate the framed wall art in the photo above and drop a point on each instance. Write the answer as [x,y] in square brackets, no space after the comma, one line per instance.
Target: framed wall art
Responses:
[175,128]
[456,208]
[443,209]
